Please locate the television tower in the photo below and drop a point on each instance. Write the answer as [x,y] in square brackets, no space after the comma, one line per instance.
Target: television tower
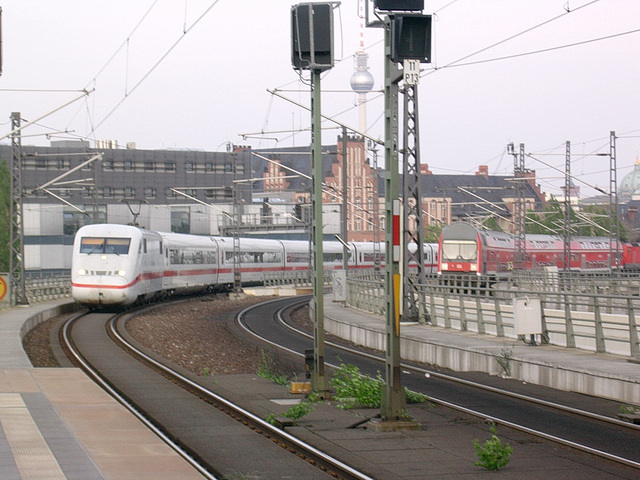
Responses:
[361,80]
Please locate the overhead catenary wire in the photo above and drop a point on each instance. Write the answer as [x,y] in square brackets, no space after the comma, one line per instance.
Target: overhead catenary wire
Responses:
[124,44]
[544,50]
[156,64]
[493,45]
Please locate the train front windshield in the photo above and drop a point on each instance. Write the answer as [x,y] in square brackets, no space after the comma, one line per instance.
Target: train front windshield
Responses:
[102,245]
[459,251]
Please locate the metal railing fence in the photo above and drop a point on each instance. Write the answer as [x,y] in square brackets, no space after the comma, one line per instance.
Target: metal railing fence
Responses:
[595,313]
[41,289]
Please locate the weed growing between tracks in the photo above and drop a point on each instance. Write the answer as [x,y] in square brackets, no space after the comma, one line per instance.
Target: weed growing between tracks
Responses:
[353,389]
[271,368]
[504,360]
[629,409]
[296,412]
[493,454]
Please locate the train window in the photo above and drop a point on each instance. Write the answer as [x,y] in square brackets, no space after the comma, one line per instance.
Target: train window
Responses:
[118,246]
[332,257]
[210,257]
[298,257]
[459,250]
[272,257]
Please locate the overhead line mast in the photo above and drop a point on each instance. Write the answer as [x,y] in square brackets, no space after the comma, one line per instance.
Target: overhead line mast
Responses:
[16,260]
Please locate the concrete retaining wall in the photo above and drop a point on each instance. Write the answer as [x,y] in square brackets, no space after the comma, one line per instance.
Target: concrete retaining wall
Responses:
[462,359]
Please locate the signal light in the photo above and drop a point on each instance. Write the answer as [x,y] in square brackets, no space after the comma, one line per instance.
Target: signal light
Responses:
[411,38]
[312,36]
[406,5]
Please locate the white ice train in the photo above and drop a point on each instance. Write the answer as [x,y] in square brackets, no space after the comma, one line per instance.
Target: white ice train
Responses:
[116,265]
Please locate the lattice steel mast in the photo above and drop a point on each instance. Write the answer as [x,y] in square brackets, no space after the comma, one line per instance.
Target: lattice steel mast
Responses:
[519,210]
[566,263]
[16,261]
[414,308]
[237,273]
[614,230]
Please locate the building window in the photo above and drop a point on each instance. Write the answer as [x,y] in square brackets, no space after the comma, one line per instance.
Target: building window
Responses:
[188,166]
[107,164]
[208,167]
[149,192]
[180,221]
[72,219]
[128,165]
[129,192]
[106,192]
[168,193]
[148,166]
[169,167]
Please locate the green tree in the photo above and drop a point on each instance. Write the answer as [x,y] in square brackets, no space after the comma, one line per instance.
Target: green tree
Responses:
[491,223]
[432,233]
[5,219]
[551,221]
[547,222]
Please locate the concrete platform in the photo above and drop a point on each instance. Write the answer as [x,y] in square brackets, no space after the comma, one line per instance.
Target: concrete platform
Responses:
[55,423]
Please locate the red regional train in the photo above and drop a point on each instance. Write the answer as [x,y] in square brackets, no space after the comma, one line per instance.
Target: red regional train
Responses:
[465,249]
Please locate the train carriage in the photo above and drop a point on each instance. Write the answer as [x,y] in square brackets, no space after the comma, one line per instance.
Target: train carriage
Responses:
[116,264]
[191,262]
[258,258]
[465,249]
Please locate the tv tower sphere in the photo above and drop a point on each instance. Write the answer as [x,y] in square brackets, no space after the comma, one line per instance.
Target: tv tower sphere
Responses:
[361,80]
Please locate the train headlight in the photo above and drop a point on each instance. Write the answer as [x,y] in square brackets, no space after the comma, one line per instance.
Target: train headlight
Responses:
[445,266]
[473,267]
[82,272]
[122,273]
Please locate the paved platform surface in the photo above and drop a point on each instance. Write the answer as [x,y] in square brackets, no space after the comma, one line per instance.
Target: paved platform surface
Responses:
[55,423]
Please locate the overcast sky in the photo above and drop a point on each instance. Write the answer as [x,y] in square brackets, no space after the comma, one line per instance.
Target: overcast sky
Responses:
[194,74]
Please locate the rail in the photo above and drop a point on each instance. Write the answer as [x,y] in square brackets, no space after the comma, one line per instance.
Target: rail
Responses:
[593,313]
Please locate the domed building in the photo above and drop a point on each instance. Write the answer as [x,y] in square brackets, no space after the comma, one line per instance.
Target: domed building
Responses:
[630,184]
[628,202]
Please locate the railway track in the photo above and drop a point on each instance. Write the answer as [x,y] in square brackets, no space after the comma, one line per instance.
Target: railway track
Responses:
[98,345]
[562,423]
